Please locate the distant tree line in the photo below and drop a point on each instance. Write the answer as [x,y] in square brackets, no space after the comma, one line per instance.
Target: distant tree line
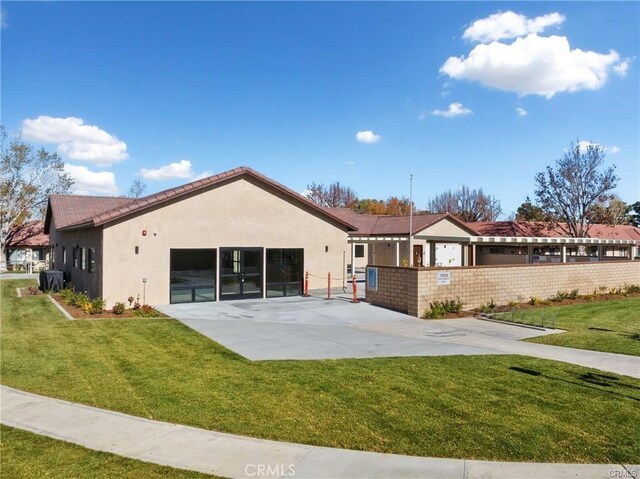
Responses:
[573,194]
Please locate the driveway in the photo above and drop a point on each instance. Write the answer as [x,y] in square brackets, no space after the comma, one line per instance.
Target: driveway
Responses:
[314,328]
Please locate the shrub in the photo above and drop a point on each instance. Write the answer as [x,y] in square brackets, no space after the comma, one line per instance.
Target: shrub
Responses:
[68,291]
[93,306]
[632,288]
[513,304]
[438,309]
[533,301]
[487,307]
[145,311]
[118,308]
[562,295]
[78,299]
[573,294]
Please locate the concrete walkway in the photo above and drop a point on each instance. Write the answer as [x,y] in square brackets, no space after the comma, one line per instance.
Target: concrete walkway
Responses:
[238,457]
[313,328]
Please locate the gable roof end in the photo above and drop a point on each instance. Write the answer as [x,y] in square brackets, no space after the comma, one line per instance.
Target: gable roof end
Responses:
[97,216]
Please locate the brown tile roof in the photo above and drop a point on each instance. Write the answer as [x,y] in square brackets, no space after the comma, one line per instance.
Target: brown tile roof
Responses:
[101,210]
[30,235]
[375,225]
[77,209]
[545,230]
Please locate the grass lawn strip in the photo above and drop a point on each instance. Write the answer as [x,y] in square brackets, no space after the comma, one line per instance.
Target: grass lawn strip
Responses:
[509,408]
[609,326]
[27,455]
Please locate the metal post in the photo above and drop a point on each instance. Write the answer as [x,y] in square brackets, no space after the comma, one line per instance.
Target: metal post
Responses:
[306,284]
[329,285]
[355,289]
[411,220]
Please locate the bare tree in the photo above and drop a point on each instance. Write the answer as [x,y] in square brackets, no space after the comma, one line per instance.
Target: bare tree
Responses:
[568,192]
[137,189]
[466,204]
[335,195]
[27,177]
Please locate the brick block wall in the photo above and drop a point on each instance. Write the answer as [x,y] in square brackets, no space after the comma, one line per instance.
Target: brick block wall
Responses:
[411,289]
[397,289]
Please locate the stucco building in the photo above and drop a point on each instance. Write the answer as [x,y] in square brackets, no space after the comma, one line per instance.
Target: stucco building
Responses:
[234,235]
[242,235]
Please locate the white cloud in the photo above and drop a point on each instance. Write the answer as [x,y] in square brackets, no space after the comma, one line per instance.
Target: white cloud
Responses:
[76,140]
[584,145]
[180,169]
[505,25]
[533,66]
[201,176]
[367,136]
[3,18]
[521,111]
[455,109]
[349,162]
[87,182]
[622,67]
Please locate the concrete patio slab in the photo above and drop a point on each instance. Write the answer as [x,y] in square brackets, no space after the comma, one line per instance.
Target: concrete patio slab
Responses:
[314,328]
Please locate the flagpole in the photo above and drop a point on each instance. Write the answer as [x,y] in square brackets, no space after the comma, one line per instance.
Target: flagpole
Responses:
[411,220]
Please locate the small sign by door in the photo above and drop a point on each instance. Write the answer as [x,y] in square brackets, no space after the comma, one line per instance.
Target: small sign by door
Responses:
[443,277]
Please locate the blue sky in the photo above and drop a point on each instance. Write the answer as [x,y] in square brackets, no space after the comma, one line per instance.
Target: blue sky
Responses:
[483,94]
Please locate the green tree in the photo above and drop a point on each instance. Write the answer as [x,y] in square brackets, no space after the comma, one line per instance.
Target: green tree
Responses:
[528,211]
[610,210]
[634,213]
[27,177]
[568,192]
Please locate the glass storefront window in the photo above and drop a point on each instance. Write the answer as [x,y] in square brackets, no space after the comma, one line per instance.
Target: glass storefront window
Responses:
[284,272]
[193,275]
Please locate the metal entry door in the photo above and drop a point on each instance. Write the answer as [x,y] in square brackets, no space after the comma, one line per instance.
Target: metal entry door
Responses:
[240,273]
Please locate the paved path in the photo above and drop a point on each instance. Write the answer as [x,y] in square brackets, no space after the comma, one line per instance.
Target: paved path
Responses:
[313,328]
[18,276]
[238,457]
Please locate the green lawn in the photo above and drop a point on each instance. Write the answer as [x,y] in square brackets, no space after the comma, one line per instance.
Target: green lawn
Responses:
[27,455]
[482,407]
[609,326]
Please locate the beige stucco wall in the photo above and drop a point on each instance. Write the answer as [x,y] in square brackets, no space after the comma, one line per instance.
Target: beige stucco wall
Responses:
[238,213]
[444,228]
[412,289]
[82,279]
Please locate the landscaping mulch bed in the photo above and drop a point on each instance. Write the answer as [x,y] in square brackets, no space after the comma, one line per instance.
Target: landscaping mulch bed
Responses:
[566,302]
[78,313]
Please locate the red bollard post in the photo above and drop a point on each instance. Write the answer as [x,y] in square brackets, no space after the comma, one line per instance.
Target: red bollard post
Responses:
[306,284]
[355,289]
[329,285]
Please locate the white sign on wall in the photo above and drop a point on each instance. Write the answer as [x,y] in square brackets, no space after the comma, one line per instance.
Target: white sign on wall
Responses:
[443,277]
